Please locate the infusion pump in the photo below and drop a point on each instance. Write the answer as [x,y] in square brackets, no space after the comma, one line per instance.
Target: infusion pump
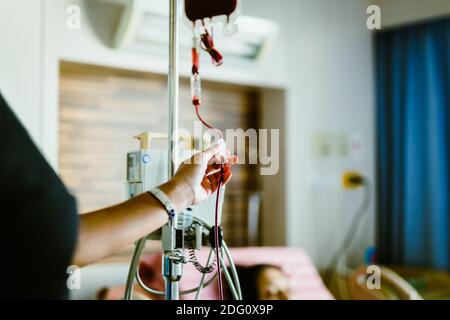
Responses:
[147,168]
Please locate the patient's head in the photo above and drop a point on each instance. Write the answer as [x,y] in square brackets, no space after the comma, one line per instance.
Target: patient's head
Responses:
[263,282]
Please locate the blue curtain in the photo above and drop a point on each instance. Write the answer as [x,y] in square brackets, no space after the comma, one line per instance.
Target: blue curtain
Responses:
[413,133]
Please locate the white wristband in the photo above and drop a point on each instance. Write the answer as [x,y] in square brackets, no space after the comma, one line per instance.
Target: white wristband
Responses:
[165,201]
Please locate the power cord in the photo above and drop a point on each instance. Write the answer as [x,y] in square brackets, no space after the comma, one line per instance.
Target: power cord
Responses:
[354,227]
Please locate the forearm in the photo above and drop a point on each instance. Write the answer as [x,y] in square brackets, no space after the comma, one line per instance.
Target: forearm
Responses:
[106,232]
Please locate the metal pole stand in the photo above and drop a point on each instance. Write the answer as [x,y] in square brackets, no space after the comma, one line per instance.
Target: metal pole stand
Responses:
[172,259]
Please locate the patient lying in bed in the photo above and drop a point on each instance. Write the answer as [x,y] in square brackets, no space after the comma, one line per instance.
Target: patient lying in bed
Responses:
[278,266]
[263,282]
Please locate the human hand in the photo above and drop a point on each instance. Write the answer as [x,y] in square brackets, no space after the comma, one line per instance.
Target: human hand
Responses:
[198,178]
[203,173]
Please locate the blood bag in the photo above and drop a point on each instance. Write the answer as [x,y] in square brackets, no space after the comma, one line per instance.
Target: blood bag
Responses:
[200,9]
[202,14]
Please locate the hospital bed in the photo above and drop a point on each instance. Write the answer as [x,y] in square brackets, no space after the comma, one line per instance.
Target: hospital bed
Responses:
[306,283]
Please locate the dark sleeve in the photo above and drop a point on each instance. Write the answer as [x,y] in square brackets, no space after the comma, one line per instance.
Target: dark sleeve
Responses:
[39,219]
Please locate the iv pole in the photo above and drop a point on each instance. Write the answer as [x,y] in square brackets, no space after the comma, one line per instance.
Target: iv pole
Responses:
[173,86]
[173,259]
[171,264]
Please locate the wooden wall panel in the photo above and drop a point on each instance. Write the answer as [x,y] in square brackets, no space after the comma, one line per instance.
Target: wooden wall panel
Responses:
[101,109]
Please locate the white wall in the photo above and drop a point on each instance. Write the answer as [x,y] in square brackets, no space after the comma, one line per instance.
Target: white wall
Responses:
[326,54]
[21,60]
[401,12]
[332,90]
